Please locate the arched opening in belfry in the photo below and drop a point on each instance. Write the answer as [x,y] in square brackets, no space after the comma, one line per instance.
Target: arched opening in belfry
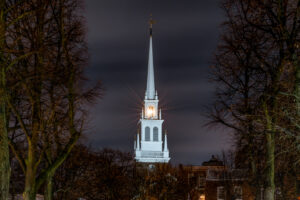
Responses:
[147,134]
[155,134]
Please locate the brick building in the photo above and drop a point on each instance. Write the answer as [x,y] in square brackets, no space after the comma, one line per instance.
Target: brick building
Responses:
[212,181]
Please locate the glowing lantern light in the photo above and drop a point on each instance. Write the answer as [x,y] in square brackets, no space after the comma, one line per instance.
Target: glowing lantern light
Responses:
[202,197]
[150,111]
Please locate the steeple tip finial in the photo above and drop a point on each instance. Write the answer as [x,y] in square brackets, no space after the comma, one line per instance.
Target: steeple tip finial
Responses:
[151,22]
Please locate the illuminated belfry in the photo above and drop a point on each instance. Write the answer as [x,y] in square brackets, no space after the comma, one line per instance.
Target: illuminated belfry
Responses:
[151,144]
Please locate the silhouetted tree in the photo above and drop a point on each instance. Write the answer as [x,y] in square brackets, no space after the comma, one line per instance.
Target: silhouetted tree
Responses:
[4,150]
[112,174]
[7,65]
[46,95]
[256,65]
[105,174]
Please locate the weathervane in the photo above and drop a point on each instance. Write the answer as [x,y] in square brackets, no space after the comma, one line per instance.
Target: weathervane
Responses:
[151,22]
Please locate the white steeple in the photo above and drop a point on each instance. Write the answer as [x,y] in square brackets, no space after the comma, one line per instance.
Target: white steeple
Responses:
[152,146]
[150,92]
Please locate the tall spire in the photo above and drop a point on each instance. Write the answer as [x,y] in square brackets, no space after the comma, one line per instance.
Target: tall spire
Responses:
[150,78]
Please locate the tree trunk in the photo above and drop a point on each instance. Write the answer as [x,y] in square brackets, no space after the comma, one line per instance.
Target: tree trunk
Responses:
[4,149]
[29,194]
[30,183]
[4,154]
[48,188]
[255,184]
[269,193]
[270,181]
[297,98]
[297,90]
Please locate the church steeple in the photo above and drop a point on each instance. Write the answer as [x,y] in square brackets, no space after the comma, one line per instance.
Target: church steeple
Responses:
[150,92]
[150,145]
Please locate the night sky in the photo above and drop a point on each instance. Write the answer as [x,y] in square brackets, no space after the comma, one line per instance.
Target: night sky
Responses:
[184,40]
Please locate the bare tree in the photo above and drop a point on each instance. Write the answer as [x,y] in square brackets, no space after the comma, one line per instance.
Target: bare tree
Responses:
[255,64]
[4,150]
[47,96]
[7,65]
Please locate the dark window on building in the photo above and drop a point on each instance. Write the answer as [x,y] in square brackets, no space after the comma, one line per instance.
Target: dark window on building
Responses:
[155,134]
[147,134]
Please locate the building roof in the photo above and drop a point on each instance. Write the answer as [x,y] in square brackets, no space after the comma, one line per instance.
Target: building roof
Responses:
[213,162]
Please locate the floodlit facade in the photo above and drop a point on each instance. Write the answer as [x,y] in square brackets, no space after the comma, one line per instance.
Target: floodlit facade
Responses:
[151,143]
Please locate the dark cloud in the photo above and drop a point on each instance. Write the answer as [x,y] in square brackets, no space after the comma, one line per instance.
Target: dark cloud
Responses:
[185,38]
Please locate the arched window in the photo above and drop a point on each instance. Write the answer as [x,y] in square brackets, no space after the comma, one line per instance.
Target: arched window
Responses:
[155,134]
[147,133]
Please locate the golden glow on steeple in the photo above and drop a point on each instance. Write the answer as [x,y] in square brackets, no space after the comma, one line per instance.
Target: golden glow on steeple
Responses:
[150,112]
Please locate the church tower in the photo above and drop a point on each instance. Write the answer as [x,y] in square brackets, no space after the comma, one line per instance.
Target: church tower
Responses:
[151,144]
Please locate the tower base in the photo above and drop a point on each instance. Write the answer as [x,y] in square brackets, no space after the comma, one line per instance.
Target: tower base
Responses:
[152,156]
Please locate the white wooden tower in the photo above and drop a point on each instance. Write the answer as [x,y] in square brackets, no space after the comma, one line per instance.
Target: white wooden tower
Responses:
[151,144]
